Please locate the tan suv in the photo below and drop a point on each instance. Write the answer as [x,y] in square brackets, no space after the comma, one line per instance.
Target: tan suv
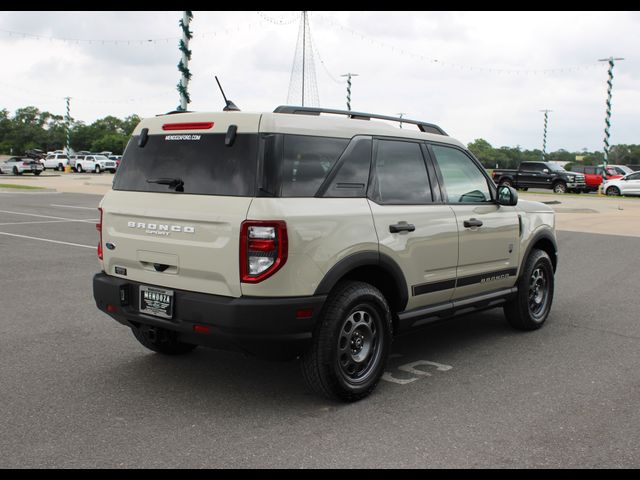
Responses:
[314,234]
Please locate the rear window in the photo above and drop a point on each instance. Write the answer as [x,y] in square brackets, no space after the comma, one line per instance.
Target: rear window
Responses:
[202,162]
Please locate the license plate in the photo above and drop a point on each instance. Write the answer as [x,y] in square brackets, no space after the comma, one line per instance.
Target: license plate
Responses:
[156,301]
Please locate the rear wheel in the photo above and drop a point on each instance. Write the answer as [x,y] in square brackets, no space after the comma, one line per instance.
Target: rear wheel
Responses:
[350,344]
[61,167]
[530,308]
[161,340]
[16,171]
[37,173]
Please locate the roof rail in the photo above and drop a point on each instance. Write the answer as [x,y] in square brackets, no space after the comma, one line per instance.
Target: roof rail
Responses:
[423,126]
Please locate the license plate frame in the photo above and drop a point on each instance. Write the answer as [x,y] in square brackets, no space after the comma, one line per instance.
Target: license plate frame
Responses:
[158,302]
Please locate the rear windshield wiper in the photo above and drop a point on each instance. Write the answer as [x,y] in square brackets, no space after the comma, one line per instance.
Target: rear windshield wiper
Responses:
[175,183]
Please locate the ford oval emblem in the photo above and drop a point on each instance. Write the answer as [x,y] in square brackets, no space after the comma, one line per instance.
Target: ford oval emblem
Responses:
[110,246]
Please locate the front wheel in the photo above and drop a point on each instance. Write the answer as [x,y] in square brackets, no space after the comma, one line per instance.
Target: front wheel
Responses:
[161,340]
[560,187]
[530,308]
[613,191]
[79,168]
[97,169]
[351,343]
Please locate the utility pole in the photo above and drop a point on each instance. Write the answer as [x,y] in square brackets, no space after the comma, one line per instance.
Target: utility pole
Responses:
[349,75]
[68,126]
[607,120]
[544,135]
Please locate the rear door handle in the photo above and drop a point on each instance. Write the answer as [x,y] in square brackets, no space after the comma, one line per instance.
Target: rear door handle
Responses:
[472,222]
[402,227]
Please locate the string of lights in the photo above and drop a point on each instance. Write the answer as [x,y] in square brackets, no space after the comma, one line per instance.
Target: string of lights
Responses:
[41,95]
[277,21]
[434,61]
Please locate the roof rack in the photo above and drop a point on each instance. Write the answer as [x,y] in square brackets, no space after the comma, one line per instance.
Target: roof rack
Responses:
[423,126]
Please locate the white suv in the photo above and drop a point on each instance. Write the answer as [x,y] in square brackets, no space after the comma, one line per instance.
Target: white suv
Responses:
[627,185]
[94,163]
[312,233]
[57,161]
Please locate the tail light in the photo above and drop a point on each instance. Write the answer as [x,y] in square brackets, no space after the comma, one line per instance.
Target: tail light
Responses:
[99,228]
[263,249]
[25,164]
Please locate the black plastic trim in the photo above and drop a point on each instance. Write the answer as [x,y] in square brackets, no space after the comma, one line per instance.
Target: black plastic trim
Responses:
[363,259]
[544,234]
[433,313]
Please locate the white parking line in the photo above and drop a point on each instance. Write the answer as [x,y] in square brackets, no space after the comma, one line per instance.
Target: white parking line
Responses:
[73,206]
[40,222]
[48,216]
[48,240]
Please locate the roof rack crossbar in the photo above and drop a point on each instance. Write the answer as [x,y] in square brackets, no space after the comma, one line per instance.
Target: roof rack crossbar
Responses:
[423,126]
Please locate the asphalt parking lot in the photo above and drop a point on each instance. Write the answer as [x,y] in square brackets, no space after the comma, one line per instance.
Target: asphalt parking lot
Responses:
[77,390]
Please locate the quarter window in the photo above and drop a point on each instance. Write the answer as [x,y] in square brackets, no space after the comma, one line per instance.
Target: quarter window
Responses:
[463,180]
[306,163]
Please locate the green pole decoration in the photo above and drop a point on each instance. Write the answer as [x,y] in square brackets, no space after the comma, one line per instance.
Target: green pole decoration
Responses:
[183,65]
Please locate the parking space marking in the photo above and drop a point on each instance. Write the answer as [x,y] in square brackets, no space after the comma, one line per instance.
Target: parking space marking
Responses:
[73,206]
[411,368]
[49,240]
[49,216]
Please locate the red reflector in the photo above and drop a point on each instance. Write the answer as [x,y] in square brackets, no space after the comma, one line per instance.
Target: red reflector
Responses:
[304,313]
[256,245]
[111,308]
[188,126]
[201,329]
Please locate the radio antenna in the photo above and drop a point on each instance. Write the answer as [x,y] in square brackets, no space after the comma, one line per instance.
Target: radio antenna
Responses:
[229,105]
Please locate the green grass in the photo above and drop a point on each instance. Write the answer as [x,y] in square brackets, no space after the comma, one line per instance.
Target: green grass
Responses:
[20,187]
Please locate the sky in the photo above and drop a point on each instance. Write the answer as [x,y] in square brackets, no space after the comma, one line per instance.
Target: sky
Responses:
[476,74]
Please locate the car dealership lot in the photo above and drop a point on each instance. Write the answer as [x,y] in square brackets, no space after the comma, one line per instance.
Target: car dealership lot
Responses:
[77,390]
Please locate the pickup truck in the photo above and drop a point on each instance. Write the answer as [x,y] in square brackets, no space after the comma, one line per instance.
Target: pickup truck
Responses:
[540,175]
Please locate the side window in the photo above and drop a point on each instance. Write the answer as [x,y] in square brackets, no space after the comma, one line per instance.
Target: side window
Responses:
[527,167]
[400,174]
[306,163]
[463,180]
[635,176]
[352,175]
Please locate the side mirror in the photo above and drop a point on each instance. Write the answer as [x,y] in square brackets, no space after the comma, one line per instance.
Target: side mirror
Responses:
[507,196]
[545,170]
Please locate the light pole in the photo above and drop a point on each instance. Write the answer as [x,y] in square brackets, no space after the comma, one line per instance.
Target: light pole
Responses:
[349,75]
[544,135]
[607,120]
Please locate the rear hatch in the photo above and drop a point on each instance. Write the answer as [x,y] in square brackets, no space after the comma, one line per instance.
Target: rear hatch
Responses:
[179,197]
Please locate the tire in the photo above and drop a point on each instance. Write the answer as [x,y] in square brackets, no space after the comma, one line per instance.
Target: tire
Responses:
[613,192]
[530,309]
[97,169]
[506,183]
[161,340]
[351,343]
[37,173]
[16,172]
[60,167]
[79,168]
[559,187]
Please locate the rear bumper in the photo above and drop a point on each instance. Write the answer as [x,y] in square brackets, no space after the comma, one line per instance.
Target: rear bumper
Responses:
[265,327]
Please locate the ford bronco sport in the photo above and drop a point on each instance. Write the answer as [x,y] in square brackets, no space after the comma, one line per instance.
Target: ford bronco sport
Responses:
[313,234]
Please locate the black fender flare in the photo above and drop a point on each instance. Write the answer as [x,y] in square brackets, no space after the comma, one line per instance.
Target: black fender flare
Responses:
[363,259]
[540,235]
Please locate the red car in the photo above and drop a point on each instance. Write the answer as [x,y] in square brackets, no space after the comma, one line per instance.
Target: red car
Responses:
[593,175]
